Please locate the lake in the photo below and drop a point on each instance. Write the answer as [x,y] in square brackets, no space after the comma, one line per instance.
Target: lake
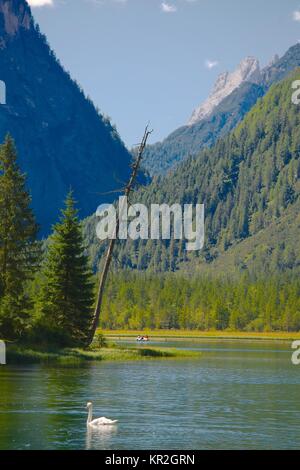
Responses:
[239,395]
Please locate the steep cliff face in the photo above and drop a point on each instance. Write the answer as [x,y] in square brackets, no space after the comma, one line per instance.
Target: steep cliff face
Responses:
[62,140]
[15,14]
[247,71]
[221,112]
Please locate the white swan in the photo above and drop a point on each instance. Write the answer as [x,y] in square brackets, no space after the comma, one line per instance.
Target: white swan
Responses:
[99,421]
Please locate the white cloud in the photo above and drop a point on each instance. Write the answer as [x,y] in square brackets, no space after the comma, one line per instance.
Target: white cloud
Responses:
[168,8]
[211,64]
[40,3]
[296,15]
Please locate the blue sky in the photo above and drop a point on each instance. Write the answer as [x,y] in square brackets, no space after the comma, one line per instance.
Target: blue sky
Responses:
[154,60]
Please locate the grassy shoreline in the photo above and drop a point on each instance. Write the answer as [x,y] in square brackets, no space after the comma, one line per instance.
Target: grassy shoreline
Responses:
[22,355]
[194,334]
[27,355]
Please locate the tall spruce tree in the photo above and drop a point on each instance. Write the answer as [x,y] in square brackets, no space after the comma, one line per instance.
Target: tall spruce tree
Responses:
[67,293]
[19,250]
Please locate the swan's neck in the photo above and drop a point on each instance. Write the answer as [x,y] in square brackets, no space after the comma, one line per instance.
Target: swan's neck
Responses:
[90,414]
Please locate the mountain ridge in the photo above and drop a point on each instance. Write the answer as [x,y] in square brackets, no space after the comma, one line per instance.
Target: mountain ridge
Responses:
[247,71]
[162,157]
[62,140]
[249,182]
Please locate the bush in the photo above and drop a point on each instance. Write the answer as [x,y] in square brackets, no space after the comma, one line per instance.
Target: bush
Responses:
[99,341]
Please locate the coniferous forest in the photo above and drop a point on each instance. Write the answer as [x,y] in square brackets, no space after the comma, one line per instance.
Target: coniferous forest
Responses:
[246,173]
[166,301]
[56,309]
[249,182]
[149,279]
[246,279]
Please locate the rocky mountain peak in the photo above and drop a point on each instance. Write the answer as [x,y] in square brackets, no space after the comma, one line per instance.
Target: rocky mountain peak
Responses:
[247,71]
[274,60]
[14,14]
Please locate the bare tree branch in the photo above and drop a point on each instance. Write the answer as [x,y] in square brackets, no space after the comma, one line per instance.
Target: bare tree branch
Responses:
[128,189]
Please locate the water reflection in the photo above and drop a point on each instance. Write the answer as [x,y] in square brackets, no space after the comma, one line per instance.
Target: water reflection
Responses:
[101,437]
[237,395]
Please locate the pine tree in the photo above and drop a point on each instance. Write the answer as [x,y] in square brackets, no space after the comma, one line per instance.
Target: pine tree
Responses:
[67,292]
[19,250]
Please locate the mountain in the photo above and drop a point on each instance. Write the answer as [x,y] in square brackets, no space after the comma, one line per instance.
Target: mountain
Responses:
[62,139]
[247,71]
[186,141]
[273,249]
[249,182]
[224,116]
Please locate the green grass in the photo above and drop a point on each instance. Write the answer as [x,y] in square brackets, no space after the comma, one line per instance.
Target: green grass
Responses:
[143,353]
[19,355]
[24,355]
[196,334]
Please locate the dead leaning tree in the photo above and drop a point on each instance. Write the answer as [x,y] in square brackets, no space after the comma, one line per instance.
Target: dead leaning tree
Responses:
[128,189]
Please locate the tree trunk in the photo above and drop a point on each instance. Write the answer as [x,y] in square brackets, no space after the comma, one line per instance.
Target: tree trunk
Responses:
[108,258]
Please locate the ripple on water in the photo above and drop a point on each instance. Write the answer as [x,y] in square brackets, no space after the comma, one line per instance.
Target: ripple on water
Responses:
[236,396]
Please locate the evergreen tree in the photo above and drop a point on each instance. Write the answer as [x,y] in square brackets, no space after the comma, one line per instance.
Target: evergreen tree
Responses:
[67,291]
[137,300]
[19,250]
[248,182]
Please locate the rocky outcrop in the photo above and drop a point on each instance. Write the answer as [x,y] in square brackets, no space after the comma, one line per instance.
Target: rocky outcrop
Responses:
[15,14]
[62,140]
[247,71]
[248,82]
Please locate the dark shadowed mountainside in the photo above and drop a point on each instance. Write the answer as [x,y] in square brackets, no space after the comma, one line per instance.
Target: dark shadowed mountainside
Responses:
[62,139]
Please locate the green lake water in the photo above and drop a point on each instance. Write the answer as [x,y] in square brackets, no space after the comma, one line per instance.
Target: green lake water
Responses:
[238,395]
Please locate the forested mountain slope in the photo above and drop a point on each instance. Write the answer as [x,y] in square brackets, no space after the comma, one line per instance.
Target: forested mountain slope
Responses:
[189,140]
[61,138]
[249,182]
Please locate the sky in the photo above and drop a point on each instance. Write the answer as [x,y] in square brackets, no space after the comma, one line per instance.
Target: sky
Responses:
[154,61]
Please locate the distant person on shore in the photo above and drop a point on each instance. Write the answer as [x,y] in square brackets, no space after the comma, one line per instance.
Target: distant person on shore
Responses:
[142,338]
